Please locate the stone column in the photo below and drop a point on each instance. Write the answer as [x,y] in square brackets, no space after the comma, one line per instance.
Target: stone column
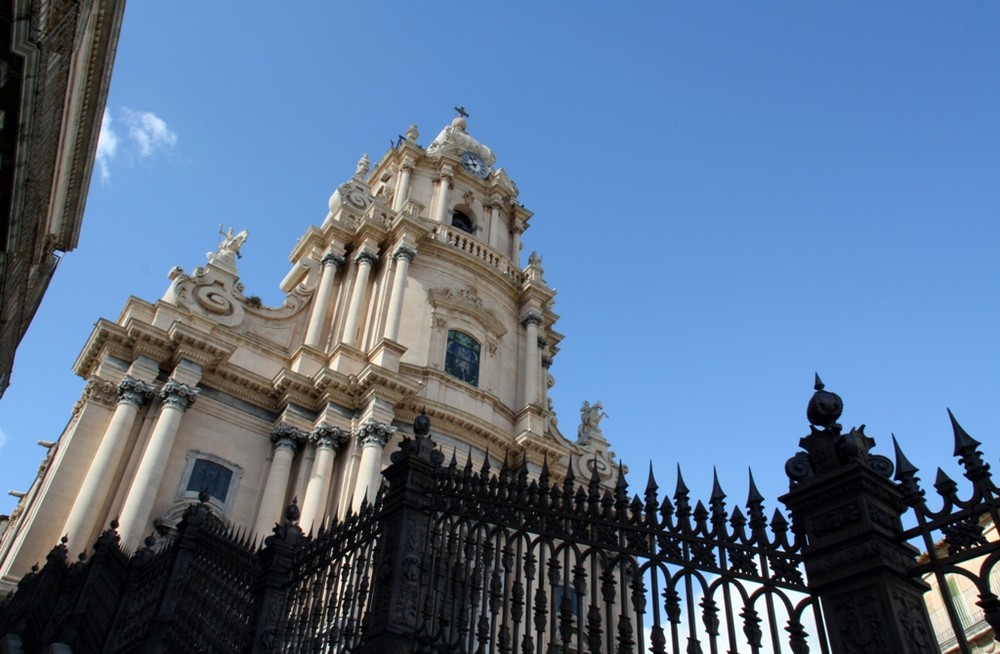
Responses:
[317,320]
[366,261]
[403,187]
[545,379]
[531,321]
[132,395]
[328,441]
[177,398]
[372,437]
[516,229]
[493,238]
[286,440]
[402,256]
[444,185]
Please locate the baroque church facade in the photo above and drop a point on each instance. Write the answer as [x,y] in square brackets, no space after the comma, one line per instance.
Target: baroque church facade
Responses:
[408,297]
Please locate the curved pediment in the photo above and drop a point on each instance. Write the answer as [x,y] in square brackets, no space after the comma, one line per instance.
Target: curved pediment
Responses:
[467,301]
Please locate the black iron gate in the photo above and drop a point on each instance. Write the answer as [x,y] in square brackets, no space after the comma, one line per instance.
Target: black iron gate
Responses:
[454,559]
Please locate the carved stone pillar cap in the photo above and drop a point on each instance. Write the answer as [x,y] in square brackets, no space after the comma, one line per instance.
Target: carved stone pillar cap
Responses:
[178,395]
[133,391]
[329,436]
[404,252]
[285,435]
[531,318]
[366,257]
[331,259]
[373,432]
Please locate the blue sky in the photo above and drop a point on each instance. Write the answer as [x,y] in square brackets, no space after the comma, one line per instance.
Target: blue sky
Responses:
[727,196]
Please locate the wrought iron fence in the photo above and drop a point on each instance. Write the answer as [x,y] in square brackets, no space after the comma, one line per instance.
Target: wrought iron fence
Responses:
[454,559]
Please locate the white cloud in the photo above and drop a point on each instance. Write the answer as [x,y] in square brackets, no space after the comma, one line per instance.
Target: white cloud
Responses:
[107,148]
[147,135]
[3,439]
[148,132]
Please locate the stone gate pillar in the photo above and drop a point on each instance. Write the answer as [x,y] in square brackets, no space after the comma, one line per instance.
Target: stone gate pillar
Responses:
[844,504]
[395,615]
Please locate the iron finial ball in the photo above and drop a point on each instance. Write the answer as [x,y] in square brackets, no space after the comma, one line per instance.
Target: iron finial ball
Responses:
[824,407]
[422,424]
[292,512]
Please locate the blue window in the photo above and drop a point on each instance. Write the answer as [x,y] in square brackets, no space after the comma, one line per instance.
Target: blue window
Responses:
[210,477]
[462,358]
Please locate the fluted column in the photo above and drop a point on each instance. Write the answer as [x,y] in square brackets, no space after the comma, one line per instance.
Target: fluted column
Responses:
[403,187]
[132,395]
[328,441]
[402,256]
[444,185]
[366,261]
[317,320]
[531,321]
[372,437]
[286,440]
[177,398]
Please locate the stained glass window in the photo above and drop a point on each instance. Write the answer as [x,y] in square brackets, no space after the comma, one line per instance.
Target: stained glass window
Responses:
[211,477]
[462,358]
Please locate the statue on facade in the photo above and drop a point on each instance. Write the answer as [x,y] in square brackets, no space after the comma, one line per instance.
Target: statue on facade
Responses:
[590,420]
[364,165]
[229,248]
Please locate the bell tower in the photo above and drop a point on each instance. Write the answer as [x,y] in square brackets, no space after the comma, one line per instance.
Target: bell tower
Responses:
[409,296]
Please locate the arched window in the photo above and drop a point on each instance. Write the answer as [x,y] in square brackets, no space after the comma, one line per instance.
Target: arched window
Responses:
[462,221]
[462,357]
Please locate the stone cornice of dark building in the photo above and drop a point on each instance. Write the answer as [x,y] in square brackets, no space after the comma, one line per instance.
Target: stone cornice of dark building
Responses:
[55,70]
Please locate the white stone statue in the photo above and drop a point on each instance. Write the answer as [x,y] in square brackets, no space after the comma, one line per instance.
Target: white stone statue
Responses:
[230,242]
[590,420]
[229,248]
[364,165]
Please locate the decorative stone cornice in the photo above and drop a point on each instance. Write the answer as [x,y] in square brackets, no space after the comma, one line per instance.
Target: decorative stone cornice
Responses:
[178,395]
[132,391]
[331,259]
[329,436]
[373,432]
[404,252]
[286,436]
[531,318]
[366,256]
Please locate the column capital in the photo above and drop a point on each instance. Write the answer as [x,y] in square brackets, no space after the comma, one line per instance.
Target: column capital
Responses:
[331,259]
[408,163]
[373,432]
[286,436]
[518,227]
[329,437]
[132,391]
[531,318]
[546,361]
[366,257]
[404,252]
[178,395]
